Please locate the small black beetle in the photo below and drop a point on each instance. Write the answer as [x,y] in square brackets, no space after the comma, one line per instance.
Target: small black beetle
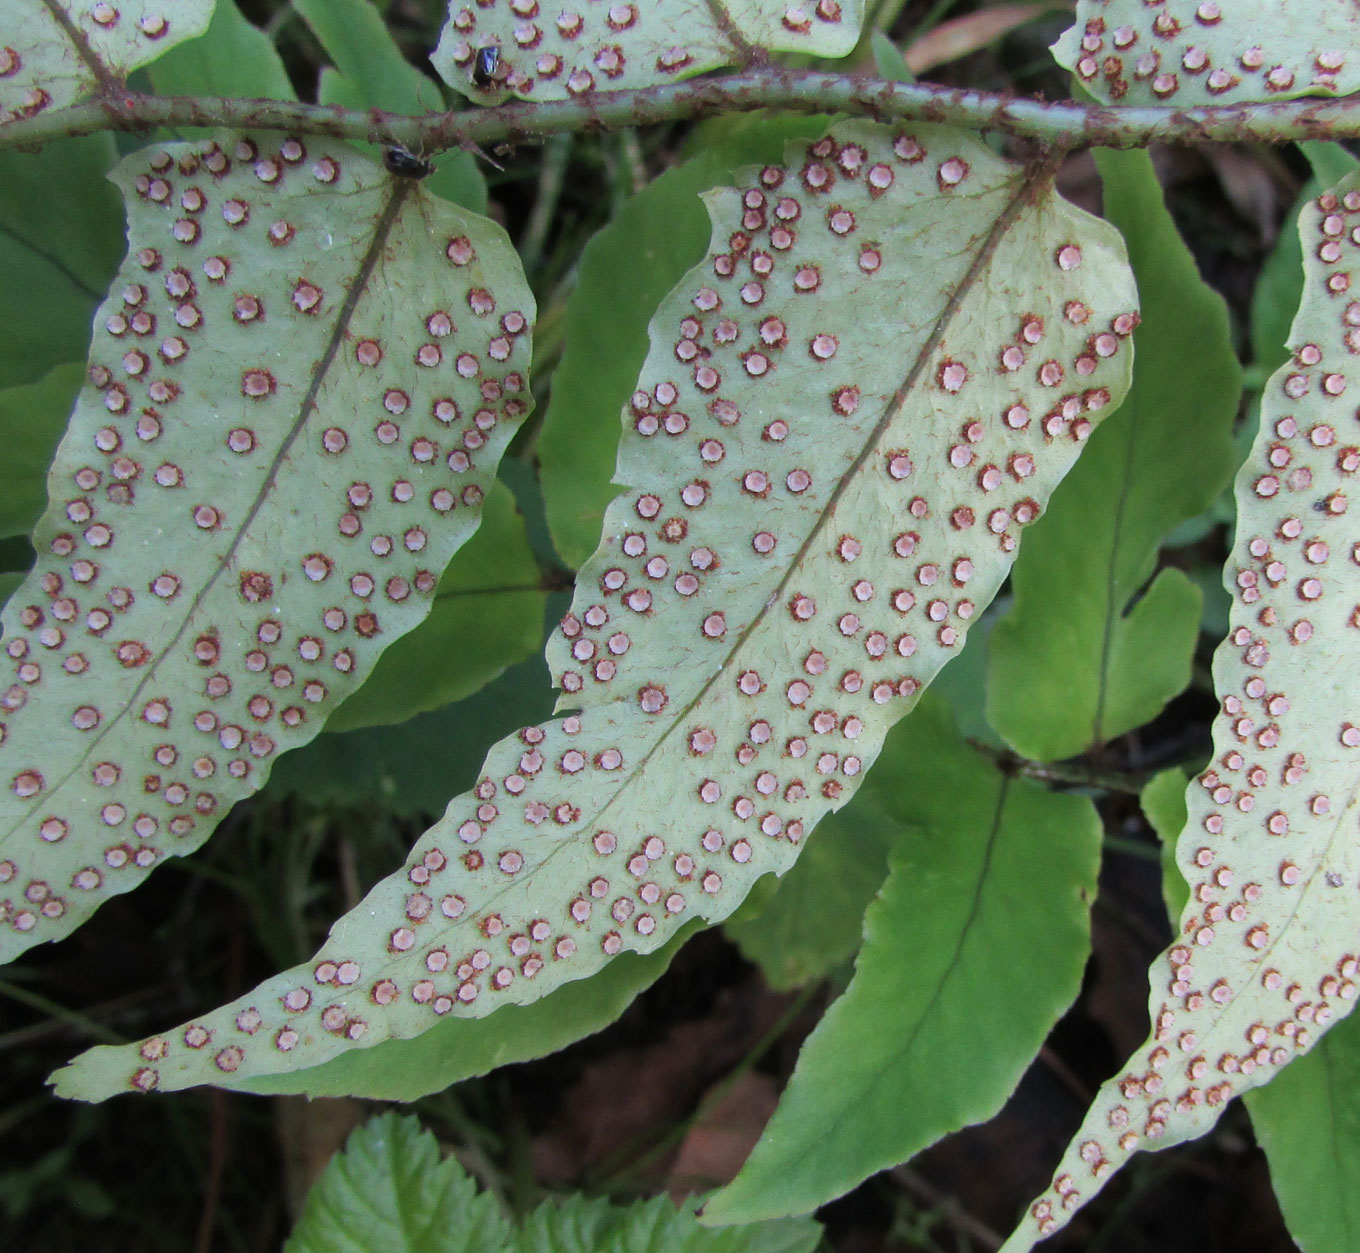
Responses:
[484,66]
[405,164]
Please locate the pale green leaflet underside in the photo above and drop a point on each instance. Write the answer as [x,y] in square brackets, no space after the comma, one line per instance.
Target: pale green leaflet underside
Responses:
[849,413]
[551,53]
[1268,951]
[1200,52]
[298,389]
[54,53]
[297,393]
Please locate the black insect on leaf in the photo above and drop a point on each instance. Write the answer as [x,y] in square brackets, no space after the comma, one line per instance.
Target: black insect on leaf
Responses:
[485,65]
[405,164]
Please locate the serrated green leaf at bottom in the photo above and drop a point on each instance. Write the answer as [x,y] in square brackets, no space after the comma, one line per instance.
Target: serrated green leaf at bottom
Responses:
[578,1225]
[388,1191]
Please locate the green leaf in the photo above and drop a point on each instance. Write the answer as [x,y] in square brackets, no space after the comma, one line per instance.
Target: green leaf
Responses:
[1163,802]
[1090,650]
[817,511]
[334,88]
[371,73]
[231,58]
[60,243]
[32,420]
[487,614]
[1182,53]
[1308,1122]
[625,270]
[963,684]
[811,923]
[10,582]
[461,1048]
[888,59]
[557,55]
[1330,162]
[358,41]
[961,976]
[270,461]
[389,1190]
[413,767]
[1266,956]
[43,67]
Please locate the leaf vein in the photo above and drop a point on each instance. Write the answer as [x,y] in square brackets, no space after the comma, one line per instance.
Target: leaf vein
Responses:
[357,289]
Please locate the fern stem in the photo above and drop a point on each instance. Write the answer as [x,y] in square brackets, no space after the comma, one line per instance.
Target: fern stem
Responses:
[71,1017]
[1064,125]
